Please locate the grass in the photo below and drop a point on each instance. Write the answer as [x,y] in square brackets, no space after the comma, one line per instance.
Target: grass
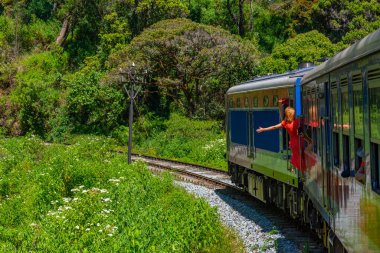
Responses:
[85,198]
[179,138]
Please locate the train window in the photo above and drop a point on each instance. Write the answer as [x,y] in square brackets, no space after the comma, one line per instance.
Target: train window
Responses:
[266,101]
[375,164]
[238,102]
[358,105]
[334,105]
[275,100]
[374,110]
[345,106]
[246,102]
[305,107]
[346,154]
[255,102]
[231,103]
[335,123]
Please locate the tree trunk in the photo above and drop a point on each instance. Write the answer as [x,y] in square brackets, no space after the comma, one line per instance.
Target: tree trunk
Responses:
[241,18]
[251,15]
[238,20]
[64,32]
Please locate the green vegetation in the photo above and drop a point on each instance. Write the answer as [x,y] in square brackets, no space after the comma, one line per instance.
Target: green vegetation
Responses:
[84,197]
[194,141]
[305,47]
[60,62]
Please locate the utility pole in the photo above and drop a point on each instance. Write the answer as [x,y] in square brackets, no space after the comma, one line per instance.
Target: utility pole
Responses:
[129,76]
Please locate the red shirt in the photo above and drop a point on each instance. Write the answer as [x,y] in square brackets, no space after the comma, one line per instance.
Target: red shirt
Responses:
[292,129]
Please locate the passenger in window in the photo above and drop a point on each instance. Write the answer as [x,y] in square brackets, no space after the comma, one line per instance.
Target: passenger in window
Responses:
[291,125]
[308,155]
[360,173]
[346,169]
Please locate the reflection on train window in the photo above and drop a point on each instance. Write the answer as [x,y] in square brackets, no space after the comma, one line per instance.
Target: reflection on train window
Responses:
[346,156]
[334,106]
[345,109]
[305,107]
[266,101]
[358,104]
[238,102]
[255,102]
[335,123]
[275,100]
[246,102]
[375,164]
[336,149]
[374,108]
[231,103]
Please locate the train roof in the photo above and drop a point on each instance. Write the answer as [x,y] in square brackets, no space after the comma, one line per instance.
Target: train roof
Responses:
[369,45]
[269,81]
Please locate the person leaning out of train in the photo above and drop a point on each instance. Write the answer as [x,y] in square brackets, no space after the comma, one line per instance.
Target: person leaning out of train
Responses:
[360,173]
[291,124]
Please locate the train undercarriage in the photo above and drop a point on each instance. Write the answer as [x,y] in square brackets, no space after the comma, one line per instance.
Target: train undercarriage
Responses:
[293,201]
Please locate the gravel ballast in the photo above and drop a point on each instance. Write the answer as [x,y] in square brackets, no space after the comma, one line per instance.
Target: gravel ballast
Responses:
[257,232]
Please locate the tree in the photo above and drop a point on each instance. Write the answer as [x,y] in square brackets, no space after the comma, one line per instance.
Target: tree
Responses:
[191,63]
[306,47]
[346,20]
[237,16]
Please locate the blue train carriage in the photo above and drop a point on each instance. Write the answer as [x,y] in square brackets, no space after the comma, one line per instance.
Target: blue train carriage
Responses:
[341,109]
[260,162]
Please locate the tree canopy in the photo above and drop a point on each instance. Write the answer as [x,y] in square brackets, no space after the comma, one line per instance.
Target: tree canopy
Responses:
[190,63]
[307,47]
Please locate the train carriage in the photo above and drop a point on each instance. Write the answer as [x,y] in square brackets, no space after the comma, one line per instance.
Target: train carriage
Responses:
[341,108]
[339,105]
[252,156]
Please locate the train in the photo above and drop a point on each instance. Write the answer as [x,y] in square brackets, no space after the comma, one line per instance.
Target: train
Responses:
[338,106]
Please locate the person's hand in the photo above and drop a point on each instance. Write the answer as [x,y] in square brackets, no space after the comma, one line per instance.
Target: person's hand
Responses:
[260,129]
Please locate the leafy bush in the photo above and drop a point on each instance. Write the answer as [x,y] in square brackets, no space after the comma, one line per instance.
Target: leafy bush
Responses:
[91,105]
[306,47]
[38,89]
[84,197]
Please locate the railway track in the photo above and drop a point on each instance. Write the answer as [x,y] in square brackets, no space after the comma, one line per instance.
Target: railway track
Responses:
[305,240]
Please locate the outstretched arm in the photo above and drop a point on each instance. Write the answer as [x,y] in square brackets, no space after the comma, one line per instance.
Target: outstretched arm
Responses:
[261,129]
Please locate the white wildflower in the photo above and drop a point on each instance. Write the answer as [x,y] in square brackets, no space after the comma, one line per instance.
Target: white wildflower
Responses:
[88,229]
[77,227]
[106,200]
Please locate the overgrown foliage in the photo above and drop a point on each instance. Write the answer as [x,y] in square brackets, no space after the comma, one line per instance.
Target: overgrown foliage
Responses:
[307,47]
[60,59]
[192,64]
[195,141]
[84,197]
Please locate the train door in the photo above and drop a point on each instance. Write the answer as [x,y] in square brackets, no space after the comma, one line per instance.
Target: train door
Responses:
[323,101]
[250,134]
